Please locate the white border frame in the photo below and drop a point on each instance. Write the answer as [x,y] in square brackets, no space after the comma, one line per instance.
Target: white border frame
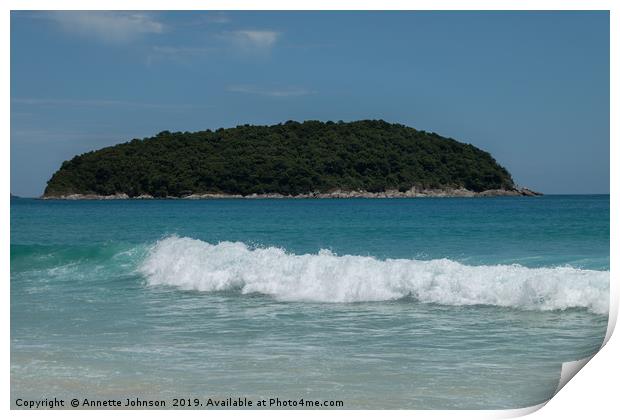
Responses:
[595,385]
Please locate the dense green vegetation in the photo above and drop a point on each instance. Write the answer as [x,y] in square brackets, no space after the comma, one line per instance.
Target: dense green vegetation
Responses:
[290,158]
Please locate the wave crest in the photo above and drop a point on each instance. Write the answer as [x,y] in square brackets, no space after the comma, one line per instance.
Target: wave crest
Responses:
[325,277]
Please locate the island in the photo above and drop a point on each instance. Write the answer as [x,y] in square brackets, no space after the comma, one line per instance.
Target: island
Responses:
[312,159]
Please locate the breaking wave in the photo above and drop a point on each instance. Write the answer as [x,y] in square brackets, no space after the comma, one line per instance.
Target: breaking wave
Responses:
[192,264]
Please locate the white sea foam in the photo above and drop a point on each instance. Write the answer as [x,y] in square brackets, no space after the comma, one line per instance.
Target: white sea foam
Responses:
[325,277]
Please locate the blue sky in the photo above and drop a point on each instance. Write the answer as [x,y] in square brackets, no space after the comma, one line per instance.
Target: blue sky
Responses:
[532,88]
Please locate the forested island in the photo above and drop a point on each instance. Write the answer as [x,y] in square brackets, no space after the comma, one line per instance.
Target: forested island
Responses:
[370,158]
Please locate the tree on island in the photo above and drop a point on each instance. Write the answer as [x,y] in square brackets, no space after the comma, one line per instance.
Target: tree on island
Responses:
[290,158]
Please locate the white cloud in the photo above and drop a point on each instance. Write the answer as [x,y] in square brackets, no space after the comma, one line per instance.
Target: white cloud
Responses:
[244,41]
[279,92]
[95,103]
[262,40]
[113,27]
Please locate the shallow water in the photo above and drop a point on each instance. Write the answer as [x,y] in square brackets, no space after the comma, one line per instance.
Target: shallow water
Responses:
[408,303]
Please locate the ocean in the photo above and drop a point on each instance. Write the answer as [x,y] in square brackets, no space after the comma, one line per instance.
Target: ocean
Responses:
[427,303]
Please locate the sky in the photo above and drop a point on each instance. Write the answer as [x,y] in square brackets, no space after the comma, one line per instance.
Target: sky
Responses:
[531,88]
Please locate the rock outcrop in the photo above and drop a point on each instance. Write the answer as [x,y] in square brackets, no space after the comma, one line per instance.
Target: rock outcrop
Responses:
[411,193]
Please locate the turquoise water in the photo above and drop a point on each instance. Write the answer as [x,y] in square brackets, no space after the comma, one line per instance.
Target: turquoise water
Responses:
[402,303]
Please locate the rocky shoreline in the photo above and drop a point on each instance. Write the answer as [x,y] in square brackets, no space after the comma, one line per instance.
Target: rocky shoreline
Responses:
[412,193]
